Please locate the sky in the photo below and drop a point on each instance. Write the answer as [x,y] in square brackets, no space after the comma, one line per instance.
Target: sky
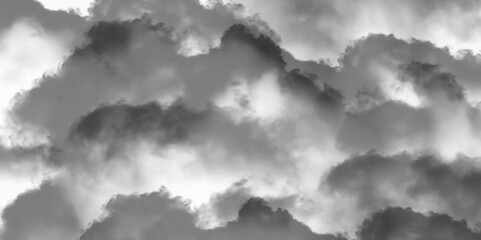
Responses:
[241,119]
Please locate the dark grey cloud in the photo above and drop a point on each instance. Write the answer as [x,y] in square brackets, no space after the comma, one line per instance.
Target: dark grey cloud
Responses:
[376,182]
[58,100]
[155,215]
[140,64]
[121,124]
[359,62]
[256,220]
[432,79]
[44,213]
[308,85]
[390,126]
[385,128]
[120,121]
[227,204]
[191,20]
[187,17]
[401,223]
[314,29]
[396,53]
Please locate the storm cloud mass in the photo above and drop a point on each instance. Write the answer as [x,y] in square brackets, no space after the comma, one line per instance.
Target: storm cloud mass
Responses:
[225,120]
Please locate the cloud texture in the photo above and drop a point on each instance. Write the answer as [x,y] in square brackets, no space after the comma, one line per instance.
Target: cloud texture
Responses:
[189,119]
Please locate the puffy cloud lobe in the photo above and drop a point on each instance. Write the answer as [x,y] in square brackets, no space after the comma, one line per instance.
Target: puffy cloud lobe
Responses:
[187,17]
[46,38]
[21,169]
[44,213]
[399,223]
[122,124]
[226,205]
[360,61]
[322,29]
[154,215]
[390,126]
[430,78]
[157,215]
[306,85]
[198,24]
[138,66]
[423,183]
[397,53]
[92,71]
[138,148]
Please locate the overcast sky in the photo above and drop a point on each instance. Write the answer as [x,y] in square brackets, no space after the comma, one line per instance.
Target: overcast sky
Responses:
[242,119]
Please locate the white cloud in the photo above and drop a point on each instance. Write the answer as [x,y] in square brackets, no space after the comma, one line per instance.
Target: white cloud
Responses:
[21,65]
[79,6]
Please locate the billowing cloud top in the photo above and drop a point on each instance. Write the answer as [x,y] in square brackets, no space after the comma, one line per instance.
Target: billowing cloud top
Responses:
[205,120]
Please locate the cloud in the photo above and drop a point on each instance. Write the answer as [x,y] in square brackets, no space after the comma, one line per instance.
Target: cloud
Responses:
[362,60]
[424,183]
[374,120]
[225,206]
[158,215]
[387,128]
[119,124]
[78,6]
[399,223]
[431,79]
[137,67]
[21,169]
[205,99]
[314,30]
[198,25]
[131,135]
[43,213]
[131,149]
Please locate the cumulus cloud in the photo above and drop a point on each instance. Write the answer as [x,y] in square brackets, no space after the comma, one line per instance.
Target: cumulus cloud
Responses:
[322,29]
[209,102]
[158,215]
[424,183]
[399,223]
[154,215]
[137,61]
[43,213]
